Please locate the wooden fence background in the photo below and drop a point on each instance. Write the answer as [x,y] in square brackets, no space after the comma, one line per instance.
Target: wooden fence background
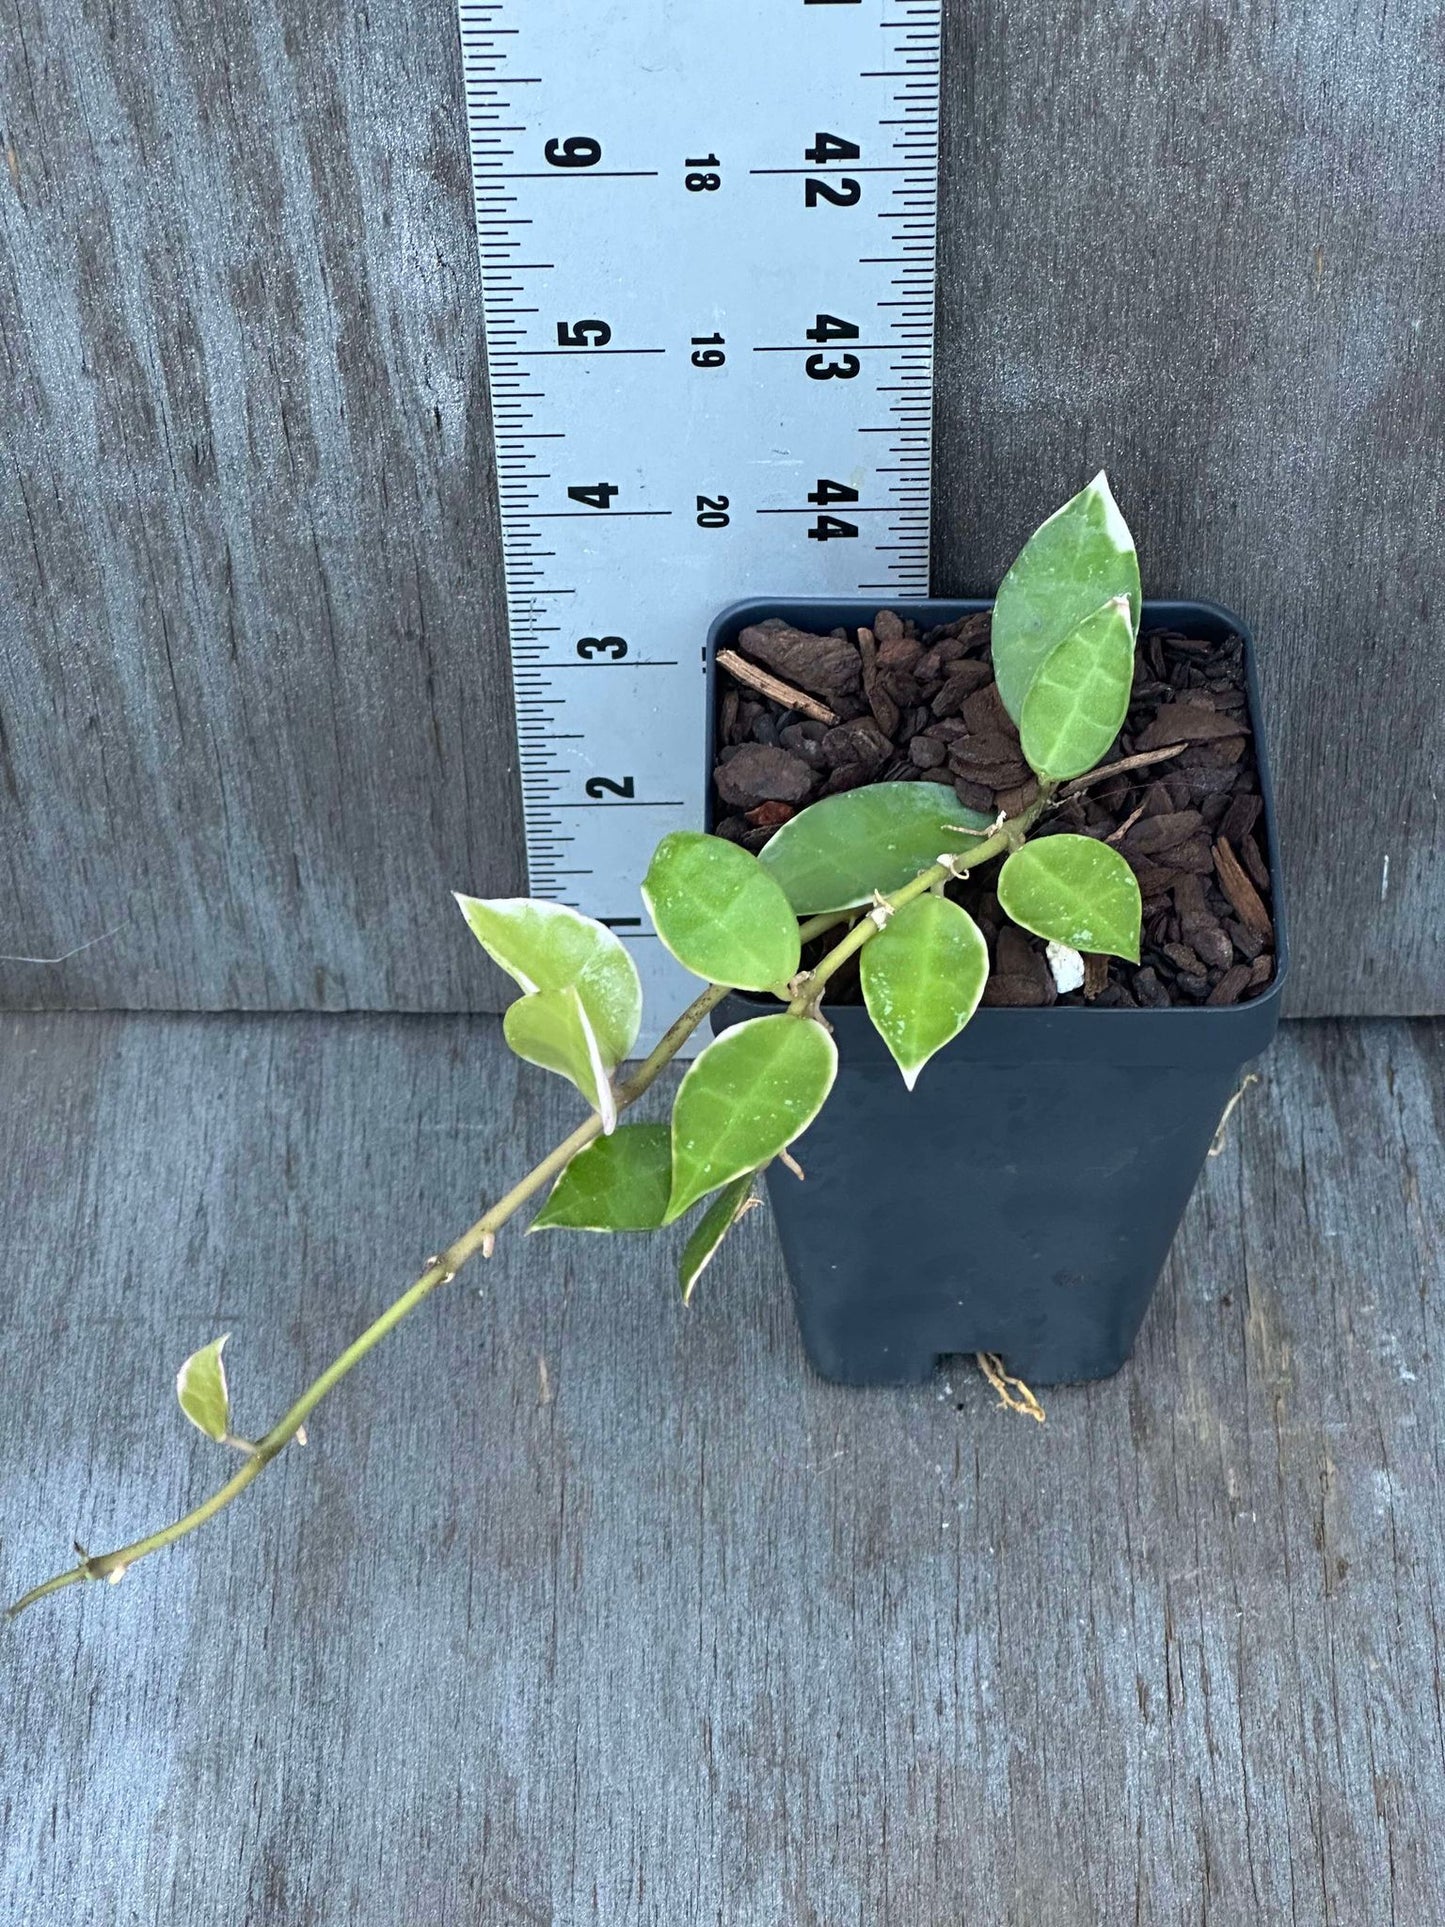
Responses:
[254,702]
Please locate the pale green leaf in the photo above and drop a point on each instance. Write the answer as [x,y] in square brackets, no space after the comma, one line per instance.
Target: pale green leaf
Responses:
[750,1093]
[1074,890]
[618,1183]
[1077,701]
[201,1389]
[836,853]
[720,913]
[711,1228]
[546,946]
[551,1028]
[923,975]
[1082,557]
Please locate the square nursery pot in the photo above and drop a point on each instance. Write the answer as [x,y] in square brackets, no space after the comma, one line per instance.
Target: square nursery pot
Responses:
[1023,1198]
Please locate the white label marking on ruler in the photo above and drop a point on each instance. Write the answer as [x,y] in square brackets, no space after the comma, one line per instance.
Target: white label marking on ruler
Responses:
[708,275]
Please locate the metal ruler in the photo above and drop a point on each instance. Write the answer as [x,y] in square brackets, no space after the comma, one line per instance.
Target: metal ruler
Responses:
[707,247]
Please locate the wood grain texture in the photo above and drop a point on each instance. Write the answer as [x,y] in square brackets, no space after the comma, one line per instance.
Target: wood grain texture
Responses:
[1205,252]
[253,686]
[685,1636]
[254,708]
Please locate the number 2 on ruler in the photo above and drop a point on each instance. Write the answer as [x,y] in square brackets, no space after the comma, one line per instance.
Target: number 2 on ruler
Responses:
[709,310]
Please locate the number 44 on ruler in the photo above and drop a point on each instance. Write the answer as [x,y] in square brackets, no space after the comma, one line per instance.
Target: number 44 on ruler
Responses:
[708,279]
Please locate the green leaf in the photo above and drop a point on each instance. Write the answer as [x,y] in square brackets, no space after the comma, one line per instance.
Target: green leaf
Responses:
[618,1183]
[1077,701]
[551,1028]
[713,1226]
[720,913]
[836,853]
[750,1093]
[1082,557]
[201,1389]
[546,946]
[1074,890]
[923,975]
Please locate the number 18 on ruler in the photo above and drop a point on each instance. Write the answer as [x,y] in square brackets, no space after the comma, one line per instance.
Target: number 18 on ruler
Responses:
[708,274]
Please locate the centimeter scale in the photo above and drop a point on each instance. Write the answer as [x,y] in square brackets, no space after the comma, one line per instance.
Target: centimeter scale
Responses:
[707,250]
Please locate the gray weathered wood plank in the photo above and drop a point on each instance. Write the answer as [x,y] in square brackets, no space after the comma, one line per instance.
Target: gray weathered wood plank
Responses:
[1204,251]
[689,1637]
[253,680]
[253,690]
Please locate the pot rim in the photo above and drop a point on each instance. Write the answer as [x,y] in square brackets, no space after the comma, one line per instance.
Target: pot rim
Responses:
[1216,621]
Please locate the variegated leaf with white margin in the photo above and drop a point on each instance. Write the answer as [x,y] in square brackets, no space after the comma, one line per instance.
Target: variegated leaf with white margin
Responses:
[923,975]
[547,946]
[1074,890]
[202,1390]
[710,1230]
[1082,557]
[551,1028]
[836,853]
[720,913]
[1080,695]
[617,1183]
[755,1088]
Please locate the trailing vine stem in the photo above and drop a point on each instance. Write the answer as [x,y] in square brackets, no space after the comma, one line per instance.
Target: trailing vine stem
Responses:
[480,1237]
[440,1271]
[1004,837]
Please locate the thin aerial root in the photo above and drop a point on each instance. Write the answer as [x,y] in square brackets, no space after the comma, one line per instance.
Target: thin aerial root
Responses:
[1220,1133]
[1012,1392]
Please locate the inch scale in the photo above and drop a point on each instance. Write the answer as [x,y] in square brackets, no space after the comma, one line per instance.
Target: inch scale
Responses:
[708,262]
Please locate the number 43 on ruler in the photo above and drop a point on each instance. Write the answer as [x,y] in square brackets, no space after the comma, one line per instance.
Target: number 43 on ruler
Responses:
[708,279]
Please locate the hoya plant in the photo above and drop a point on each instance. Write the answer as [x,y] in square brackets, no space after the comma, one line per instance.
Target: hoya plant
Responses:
[862,875]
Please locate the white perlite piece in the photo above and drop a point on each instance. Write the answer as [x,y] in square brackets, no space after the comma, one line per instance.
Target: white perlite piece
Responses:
[1067,966]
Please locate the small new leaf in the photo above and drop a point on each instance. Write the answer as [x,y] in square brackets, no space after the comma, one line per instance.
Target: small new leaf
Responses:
[720,913]
[837,853]
[1074,890]
[1077,701]
[1082,557]
[753,1090]
[546,946]
[923,975]
[201,1389]
[713,1226]
[552,1028]
[618,1183]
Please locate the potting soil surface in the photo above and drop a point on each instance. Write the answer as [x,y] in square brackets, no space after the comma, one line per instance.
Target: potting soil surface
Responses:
[909,704]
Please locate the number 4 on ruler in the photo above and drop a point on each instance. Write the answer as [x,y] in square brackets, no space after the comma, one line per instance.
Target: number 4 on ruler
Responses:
[714,289]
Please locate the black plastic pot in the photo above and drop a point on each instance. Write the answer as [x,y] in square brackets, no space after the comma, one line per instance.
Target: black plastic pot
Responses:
[1023,1198]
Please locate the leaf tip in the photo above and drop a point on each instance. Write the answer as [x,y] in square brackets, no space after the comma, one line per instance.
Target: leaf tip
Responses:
[202,1392]
[1114,523]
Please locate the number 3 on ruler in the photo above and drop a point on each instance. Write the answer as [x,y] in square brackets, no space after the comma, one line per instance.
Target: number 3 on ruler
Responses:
[587,162]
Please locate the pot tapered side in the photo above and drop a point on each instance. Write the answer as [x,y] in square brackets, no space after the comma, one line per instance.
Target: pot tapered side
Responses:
[1023,1198]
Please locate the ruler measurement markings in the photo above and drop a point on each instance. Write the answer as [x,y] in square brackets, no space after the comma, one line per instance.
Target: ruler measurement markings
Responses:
[665,428]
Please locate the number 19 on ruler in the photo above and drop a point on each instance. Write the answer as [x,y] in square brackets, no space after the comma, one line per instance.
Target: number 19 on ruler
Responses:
[708,275]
